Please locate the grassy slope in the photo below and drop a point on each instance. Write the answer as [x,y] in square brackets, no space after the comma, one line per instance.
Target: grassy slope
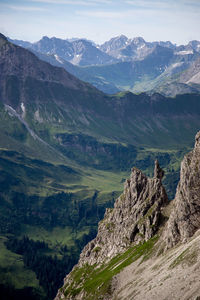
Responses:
[96,281]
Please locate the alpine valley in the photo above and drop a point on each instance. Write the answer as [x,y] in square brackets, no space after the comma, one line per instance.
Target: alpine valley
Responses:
[66,149]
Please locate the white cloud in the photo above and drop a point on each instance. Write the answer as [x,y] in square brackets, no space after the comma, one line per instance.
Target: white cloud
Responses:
[165,4]
[103,14]
[140,15]
[149,4]
[74,2]
[24,8]
[101,1]
[191,2]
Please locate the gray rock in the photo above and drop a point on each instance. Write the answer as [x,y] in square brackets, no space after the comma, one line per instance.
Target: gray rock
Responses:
[184,220]
[135,217]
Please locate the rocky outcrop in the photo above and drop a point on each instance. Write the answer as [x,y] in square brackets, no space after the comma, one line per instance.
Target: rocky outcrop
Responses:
[136,217]
[184,219]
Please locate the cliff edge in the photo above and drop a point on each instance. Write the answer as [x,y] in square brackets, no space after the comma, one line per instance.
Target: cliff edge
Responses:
[139,253]
[135,219]
[184,219]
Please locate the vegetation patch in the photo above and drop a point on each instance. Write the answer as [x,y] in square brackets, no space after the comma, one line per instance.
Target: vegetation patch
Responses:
[148,214]
[96,282]
[110,226]
[96,249]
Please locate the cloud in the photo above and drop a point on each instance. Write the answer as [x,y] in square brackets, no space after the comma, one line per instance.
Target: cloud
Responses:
[188,8]
[121,14]
[75,2]
[191,2]
[24,8]
[151,4]
[103,14]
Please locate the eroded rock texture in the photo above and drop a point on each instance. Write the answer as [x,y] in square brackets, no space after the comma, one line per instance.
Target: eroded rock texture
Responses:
[184,220]
[135,217]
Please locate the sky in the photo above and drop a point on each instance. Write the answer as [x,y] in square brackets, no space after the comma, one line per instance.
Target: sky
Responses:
[100,20]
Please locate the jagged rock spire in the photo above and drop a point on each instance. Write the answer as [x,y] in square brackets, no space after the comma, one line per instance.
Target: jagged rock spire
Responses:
[136,216]
[158,172]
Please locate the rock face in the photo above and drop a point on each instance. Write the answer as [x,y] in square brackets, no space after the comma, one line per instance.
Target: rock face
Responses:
[135,217]
[184,220]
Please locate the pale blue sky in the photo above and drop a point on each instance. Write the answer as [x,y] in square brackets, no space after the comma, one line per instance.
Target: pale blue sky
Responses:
[99,20]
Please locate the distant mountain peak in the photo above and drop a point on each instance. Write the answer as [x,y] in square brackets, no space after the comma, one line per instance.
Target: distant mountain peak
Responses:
[115,43]
[138,40]
[3,37]
[3,40]
[122,36]
[45,37]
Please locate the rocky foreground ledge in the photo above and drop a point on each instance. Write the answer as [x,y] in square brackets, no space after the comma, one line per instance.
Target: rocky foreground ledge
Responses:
[134,254]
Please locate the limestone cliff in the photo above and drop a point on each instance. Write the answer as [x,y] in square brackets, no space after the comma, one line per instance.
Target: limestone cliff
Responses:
[136,217]
[184,219]
[129,258]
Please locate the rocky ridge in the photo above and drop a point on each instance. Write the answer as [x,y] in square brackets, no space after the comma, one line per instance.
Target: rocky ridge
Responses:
[133,223]
[135,217]
[184,220]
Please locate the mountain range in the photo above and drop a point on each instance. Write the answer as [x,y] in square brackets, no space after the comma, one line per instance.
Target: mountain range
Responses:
[65,151]
[125,64]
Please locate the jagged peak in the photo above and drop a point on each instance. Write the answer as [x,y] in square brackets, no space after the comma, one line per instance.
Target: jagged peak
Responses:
[3,40]
[3,37]
[183,223]
[45,38]
[122,36]
[158,172]
[197,140]
[119,37]
[138,40]
[135,217]
[184,219]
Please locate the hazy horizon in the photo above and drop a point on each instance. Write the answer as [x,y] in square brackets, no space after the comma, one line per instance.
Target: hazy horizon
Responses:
[100,20]
[85,38]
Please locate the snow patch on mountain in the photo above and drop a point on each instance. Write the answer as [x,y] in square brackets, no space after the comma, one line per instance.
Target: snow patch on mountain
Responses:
[58,58]
[185,52]
[195,79]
